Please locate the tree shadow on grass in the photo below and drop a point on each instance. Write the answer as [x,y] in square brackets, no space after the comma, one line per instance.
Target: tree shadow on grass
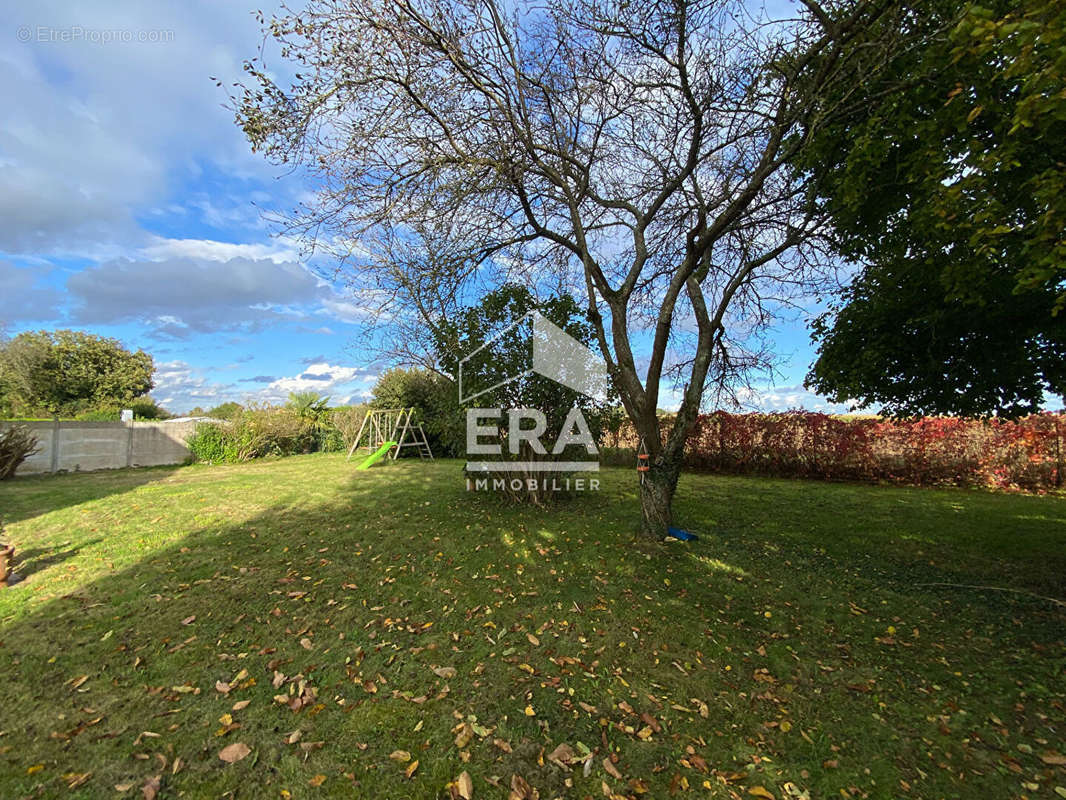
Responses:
[904,534]
[26,496]
[351,610]
[35,559]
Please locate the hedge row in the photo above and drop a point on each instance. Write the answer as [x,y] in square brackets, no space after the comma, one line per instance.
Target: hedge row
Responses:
[1027,453]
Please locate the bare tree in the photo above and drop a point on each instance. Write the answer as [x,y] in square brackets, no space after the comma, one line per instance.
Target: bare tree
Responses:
[636,152]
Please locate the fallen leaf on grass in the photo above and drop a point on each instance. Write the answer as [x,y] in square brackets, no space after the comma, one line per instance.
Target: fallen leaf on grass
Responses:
[407,773]
[464,786]
[318,780]
[1054,759]
[464,733]
[611,769]
[240,705]
[151,788]
[760,792]
[146,735]
[189,620]
[444,672]
[521,790]
[562,755]
[695,760]
[234,752]
[651,722]
[400,755]
[76,779]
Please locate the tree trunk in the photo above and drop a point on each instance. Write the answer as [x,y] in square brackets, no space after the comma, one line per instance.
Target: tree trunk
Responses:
[656,499]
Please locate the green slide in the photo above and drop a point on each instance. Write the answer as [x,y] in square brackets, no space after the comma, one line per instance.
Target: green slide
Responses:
[376,457]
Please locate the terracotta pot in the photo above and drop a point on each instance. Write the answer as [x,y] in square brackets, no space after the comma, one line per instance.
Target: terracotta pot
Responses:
[7,553]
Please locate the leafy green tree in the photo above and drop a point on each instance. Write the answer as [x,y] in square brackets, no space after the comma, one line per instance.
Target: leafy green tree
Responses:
[68,372]
[435,400]
[948,187]
[405,388]
[227,410]
[494,318]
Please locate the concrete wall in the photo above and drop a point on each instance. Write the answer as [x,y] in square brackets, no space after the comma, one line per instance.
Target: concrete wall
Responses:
[83,446]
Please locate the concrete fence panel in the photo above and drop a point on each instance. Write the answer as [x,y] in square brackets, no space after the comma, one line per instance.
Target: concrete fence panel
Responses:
[87,446]
[69,446]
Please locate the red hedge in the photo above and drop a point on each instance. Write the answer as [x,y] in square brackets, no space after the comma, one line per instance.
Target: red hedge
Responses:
[1021,454]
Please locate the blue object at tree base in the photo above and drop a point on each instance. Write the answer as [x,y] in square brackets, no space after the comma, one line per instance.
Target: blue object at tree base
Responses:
[680,535]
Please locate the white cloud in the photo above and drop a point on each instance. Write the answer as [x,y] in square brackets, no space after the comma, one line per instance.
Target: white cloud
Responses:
[180,386]
[766,398]
[347,311]
[96,134]
[323,378]
[162,249]
[787,398]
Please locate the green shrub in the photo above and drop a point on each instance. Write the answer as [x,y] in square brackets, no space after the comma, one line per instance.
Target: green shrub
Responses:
[144,408]
[269,431]
[147,408]
[330,440]
[100,414]
[212,444]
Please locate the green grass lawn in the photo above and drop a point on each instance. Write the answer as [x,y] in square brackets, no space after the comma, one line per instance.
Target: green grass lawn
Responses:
[377,634]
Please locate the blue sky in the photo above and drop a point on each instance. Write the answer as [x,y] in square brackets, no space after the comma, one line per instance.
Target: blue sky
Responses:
[132,207]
